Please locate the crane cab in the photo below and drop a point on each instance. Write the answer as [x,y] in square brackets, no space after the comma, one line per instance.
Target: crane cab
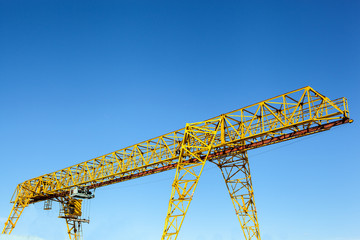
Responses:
[81,192]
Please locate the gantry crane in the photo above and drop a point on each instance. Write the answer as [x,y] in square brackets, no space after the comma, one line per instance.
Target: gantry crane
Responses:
[223,140]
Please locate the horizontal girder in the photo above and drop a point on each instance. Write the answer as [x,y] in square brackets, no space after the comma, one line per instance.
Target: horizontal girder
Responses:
[294,114]
[217,153]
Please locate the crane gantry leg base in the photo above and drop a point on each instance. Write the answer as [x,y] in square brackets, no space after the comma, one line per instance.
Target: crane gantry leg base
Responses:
[236,172]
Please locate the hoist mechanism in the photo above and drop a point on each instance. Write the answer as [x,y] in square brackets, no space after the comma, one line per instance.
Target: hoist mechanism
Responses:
[81,192]
[223,140]
[70,210]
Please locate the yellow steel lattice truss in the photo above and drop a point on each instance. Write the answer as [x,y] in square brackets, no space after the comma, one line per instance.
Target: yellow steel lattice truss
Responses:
[236,172]
[223,140]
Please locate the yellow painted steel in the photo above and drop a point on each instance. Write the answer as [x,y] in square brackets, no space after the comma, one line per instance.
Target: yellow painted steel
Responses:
[73,229]
[197,144]
[73,208]
[71,212]
[287,116]
[236,172]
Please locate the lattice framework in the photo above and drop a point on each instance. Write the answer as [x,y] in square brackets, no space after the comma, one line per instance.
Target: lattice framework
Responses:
[287,116]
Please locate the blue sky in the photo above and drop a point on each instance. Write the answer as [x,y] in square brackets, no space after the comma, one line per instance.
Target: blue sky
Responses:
[83,78]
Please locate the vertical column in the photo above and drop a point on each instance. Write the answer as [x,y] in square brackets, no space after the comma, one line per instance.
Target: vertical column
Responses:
[21,201]
[74,229]
[195,148]
[15,214]
[236,172]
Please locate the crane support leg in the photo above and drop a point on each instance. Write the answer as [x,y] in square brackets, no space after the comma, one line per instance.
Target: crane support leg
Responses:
[236,172]
[186,179]
[193,156]
[15,214]
[21,201]
[74,229]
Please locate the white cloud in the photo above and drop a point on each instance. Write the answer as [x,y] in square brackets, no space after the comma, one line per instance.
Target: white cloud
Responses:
[17,237]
